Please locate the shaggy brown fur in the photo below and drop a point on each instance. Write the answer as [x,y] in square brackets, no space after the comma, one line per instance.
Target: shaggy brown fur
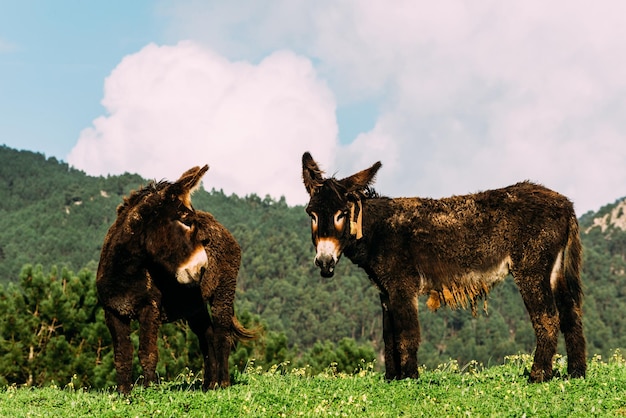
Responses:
[454,250]
[162,261]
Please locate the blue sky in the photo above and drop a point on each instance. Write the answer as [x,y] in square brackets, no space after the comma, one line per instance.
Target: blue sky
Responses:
[54,56]
[452,97]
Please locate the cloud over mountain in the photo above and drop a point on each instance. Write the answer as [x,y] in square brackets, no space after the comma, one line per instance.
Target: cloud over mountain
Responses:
[469,95]
[172,107]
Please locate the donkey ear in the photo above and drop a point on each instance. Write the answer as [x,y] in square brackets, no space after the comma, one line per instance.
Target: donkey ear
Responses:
[188,182]
[362,179]
[190,179]
[311,174]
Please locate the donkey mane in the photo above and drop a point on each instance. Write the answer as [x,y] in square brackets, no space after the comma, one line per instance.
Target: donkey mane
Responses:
[136,196]
[369,193]
[340,190]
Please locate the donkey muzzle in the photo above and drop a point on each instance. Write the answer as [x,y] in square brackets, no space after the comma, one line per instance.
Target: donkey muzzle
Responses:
[194,268]
[326,265]
[327,256]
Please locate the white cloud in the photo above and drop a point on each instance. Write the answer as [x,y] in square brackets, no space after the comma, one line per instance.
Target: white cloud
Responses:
[472,95]
[172,107]
[482,95]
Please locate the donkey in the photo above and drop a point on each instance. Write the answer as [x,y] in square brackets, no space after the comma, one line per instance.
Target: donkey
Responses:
[454,250]
[162,261]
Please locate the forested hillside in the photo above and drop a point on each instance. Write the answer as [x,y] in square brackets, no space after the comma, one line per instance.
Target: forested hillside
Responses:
[52,214]
[56,217]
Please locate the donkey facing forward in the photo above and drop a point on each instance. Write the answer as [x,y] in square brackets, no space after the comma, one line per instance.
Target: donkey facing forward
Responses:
[454,250]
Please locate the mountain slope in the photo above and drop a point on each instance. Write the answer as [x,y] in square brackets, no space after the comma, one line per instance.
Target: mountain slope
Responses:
[51,214]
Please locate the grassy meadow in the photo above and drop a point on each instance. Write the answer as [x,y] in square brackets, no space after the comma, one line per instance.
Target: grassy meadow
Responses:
[447,391]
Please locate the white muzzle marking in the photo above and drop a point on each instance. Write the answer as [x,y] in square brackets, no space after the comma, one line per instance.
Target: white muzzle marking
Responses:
[191,271]
[327,249]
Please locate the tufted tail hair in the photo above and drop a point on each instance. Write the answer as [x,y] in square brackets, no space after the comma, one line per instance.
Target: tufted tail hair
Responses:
[241,333]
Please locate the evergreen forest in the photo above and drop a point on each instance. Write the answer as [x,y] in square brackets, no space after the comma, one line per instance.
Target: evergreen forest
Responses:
[53,220]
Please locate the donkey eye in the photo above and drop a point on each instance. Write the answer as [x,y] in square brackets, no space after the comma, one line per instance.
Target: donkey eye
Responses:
[185,220]
[340,216]
[185,225]
[313,216]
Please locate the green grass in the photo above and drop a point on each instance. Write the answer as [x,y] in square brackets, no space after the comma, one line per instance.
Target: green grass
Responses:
[471,391]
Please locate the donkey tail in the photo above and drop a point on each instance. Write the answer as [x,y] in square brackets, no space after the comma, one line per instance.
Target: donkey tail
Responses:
[573,261]
[569,303]
[241,333]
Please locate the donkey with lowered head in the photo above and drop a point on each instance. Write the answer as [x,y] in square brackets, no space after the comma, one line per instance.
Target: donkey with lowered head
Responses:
[454,250]
[162,261]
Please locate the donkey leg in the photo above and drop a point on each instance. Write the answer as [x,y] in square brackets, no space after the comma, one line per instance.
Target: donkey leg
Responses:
[392,356]
[570,316]
[222,312]
[149,323]
[539,301]
[202,326]
[406,332]
[119,328]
